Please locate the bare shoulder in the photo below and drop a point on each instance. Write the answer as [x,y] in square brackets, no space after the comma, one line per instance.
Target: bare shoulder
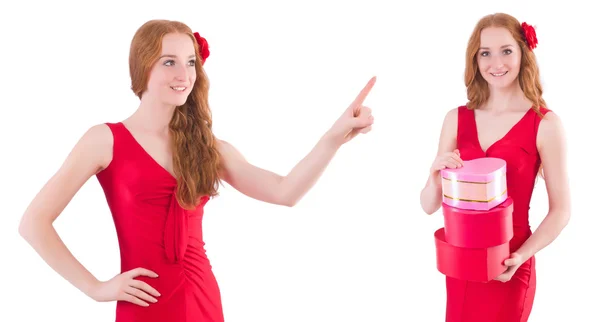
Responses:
[551,121]
[232,161]
[453,112]
[448,133]
[450,125]
[451,118]
[231,157]
[91,153]
[97,145]
[551,130]
[223,145]
[99,134]
[227,150]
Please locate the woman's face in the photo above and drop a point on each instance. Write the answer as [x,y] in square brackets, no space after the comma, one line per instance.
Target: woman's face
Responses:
[174,74]
[499,57]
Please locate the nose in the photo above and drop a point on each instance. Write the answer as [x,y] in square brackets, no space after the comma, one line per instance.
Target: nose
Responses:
[497,61]
[181,73]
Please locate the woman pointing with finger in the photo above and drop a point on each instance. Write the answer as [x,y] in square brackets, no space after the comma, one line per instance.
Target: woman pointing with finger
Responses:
[158,168]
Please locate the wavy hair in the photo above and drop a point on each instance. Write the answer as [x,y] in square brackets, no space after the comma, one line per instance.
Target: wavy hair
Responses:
[529,75]
[196,160]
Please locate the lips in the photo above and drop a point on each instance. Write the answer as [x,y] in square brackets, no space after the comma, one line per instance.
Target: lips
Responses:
[500,74]
[178,88]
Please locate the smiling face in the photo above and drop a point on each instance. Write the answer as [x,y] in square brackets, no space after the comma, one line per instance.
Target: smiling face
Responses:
[499,57]
[173,76]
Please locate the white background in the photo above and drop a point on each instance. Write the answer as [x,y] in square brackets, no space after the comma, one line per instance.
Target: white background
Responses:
[358,247]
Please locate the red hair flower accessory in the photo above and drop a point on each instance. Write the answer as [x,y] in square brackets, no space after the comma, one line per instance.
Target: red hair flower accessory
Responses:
[202,46]
[530,35]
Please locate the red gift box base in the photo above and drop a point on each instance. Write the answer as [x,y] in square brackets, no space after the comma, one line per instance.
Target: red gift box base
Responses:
[470,264]
[479,229]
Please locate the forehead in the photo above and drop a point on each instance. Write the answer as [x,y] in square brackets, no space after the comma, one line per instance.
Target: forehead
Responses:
[493,37]
[177,44]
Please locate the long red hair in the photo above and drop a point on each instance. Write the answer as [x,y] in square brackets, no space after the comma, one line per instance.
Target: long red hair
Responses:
[196,159]
[529,75]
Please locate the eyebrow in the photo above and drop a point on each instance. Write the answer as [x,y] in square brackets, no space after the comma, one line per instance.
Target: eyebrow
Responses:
[500,47]
[173,56]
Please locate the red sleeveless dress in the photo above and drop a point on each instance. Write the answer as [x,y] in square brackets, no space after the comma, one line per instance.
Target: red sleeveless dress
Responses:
[496,301]
[156,233]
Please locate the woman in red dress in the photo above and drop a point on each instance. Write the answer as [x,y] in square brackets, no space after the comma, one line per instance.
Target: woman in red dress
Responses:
[158,168]
[505,118]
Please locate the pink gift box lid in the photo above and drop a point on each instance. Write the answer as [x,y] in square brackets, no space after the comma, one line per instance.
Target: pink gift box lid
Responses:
[477,170]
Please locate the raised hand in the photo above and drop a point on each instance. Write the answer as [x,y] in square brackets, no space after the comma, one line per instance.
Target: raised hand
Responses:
[356,118]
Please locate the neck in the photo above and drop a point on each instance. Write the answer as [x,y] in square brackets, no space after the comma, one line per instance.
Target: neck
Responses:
[505,99]
[152,115]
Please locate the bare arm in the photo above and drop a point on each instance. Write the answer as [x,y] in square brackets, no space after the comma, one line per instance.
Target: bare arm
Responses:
[273,188]
[91,154]
[431,195]
[552,148]
[287,190]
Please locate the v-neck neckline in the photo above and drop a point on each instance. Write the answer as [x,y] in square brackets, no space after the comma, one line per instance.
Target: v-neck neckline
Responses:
[167,172]
[486,151]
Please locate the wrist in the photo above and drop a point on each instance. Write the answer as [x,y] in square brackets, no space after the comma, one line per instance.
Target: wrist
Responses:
[524,254]
[435,181]
[90,287]
[330,140]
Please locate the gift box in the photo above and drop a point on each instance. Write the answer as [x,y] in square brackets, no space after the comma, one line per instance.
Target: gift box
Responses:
[480,184]
[479,228]
[469,264]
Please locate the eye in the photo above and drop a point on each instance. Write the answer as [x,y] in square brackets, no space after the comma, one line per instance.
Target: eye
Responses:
[484,53]
[192,62]
[169,62]
[507,51]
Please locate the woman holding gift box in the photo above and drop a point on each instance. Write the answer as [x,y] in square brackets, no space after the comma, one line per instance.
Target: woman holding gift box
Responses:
[506,118]
[158,169]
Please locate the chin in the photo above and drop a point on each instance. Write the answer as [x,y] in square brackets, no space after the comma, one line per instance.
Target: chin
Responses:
[178,101]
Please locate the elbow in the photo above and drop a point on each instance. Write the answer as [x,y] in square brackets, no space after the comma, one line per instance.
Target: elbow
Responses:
[561,218]
[25,229]
[287,199]
[288,202]
[28,229]
[428,207]
[566,217]
[428,211]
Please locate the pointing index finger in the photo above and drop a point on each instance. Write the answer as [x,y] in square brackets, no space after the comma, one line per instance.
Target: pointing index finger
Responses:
[364,92]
